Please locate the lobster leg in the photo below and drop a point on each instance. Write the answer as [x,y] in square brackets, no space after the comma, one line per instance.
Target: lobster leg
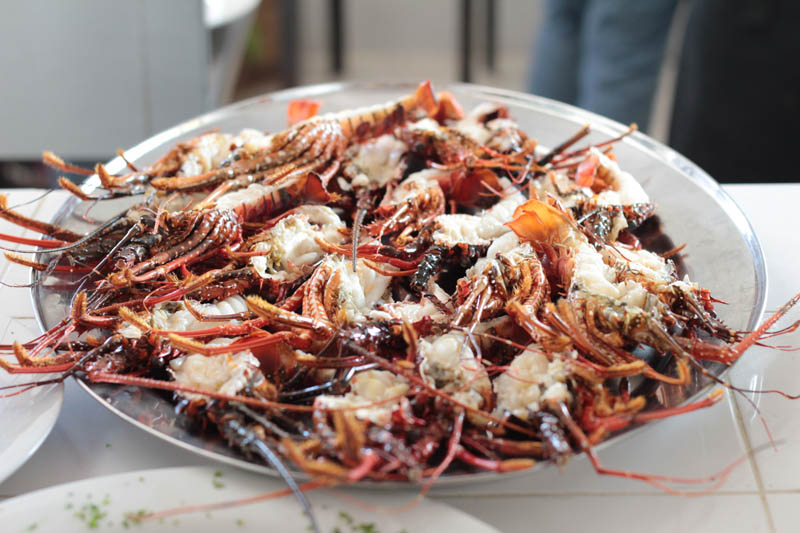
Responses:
[52,160]
[247,343]
[234,428]
[41,267]
[118,222]
[42,243]
[245,328]
[195,284]
[21,369]
[495,465]
[378,258]
[727,354]
[655,480]
[45,228]
[274,313]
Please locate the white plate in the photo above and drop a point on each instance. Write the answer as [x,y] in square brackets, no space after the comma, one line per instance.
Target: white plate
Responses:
[105,504]
[25,419]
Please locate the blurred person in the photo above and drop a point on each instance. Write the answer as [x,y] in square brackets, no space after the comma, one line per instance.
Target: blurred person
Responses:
[602,55]
[737,100]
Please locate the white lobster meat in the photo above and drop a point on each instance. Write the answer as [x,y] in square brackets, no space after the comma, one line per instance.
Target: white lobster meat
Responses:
[478,229]
[449,364]
[378,393]
[211,149]
[359,291]
[625,276]
[174,316]
[224,373]
[291,243]
[377,162]
[529,381]
[625,190]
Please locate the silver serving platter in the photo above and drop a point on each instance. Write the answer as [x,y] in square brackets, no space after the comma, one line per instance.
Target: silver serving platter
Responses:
[723,252]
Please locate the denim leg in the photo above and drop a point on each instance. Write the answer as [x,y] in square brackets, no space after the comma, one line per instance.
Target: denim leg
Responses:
[554,72]
[622,47]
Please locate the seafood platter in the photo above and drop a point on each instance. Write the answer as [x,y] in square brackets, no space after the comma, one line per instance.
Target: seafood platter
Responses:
[360,283]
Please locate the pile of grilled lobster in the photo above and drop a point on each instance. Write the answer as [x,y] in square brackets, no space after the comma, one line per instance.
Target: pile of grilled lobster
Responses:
[384,293]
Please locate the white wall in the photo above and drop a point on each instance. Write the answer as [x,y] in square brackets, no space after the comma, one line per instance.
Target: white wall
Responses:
[85,77]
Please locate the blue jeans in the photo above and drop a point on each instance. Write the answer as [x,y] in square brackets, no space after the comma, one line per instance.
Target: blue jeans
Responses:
[602,55]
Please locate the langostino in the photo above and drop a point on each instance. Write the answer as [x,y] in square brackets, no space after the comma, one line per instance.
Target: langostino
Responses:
[389,293]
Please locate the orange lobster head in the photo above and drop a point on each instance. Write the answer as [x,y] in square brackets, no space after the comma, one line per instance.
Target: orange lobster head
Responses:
[539,222]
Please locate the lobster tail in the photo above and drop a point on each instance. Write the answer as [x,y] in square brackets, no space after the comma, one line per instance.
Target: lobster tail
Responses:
[379,120]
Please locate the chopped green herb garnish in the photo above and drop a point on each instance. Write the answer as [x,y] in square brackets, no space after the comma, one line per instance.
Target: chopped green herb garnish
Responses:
[91,514]
[240,522]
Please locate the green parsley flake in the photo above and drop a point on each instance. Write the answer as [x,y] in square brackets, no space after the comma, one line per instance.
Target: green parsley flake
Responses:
[91,514]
